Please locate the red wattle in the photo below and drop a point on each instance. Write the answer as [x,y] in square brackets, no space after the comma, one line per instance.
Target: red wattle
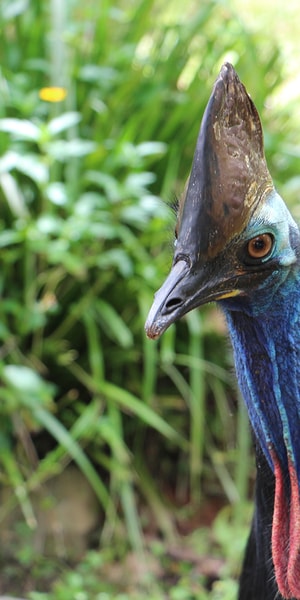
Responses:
[293,572]
[280,531]
[286,532]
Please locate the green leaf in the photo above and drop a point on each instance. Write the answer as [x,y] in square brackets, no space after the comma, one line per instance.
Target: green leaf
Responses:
[57,193]
[34,167]
[151,148]
[9,237]
[63,122]
[116,258]
[9,161]
[11,9]
[63,437]
[31,389]
[106,182]
[113,324]
[13,194]
[97,74]
[135,406]
[21,129]
[64,150]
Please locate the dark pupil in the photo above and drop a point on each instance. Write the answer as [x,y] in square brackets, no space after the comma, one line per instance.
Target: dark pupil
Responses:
[259,244]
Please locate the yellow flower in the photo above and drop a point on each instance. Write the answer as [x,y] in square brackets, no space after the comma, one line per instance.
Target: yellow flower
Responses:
[53,94]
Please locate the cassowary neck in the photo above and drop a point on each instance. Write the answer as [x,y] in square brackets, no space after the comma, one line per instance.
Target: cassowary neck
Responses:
[267,352]
[267,358]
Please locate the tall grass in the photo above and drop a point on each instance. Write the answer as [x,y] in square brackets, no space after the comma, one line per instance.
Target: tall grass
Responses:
[84,243]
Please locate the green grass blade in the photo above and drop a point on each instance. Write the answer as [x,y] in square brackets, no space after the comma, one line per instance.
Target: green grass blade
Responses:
[63,437]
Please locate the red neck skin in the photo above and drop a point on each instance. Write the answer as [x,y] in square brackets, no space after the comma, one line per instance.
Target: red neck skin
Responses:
[286,531]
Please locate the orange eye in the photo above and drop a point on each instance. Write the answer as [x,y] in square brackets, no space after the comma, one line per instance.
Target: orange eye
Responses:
[260,246]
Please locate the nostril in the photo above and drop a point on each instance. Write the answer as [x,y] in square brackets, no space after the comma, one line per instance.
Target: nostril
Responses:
[173,303]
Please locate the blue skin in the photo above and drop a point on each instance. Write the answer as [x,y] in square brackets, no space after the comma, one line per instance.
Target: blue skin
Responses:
[265,331]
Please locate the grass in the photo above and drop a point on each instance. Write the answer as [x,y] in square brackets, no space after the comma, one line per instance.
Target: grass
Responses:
[161,571]
[86,240]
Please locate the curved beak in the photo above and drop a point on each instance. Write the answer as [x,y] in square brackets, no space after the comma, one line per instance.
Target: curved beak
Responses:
[185,289]
[163,312]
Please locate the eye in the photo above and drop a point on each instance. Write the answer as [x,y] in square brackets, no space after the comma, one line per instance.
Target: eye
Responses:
[260,246]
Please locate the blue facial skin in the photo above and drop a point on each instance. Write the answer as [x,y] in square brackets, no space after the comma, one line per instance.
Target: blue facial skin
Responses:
[264,327]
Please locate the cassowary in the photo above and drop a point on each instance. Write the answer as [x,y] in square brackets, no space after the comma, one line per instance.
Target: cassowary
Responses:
[237,244]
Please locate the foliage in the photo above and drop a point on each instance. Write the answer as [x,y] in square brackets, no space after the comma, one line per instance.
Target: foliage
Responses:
[83,244]
[115,572]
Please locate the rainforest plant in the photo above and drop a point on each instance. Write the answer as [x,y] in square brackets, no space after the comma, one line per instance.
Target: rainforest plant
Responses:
[100,109]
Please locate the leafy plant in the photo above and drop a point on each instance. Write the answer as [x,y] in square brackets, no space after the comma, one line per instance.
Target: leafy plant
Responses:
[83,245]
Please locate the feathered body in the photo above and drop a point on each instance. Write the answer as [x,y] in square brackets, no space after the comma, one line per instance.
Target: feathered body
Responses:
[267,357]
[238,245]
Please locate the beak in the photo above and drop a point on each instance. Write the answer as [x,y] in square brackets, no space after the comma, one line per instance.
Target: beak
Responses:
[185,289]
[163,312]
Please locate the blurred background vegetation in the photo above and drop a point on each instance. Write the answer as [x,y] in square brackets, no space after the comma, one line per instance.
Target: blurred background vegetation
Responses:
[151,436]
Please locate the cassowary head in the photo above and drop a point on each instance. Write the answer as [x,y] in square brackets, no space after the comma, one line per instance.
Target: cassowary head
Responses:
[230,232]
[236,243]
